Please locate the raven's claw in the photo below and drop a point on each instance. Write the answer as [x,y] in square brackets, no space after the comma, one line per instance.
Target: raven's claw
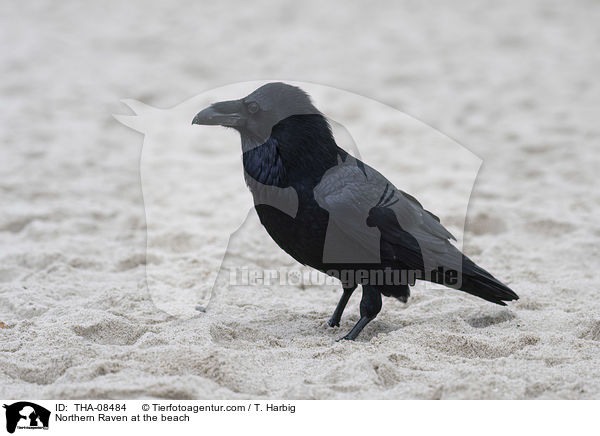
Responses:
[334,321]
[362,322]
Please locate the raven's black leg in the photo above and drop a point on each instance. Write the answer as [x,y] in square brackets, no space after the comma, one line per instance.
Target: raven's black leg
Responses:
[334,321]
[370,305]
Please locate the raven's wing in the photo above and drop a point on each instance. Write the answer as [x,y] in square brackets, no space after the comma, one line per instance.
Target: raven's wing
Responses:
[351,189]
[412,235]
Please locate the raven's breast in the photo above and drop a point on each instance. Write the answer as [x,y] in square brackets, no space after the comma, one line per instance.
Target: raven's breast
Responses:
[302,236]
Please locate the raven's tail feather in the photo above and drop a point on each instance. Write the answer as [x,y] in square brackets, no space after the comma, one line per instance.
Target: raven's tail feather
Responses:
[477,281]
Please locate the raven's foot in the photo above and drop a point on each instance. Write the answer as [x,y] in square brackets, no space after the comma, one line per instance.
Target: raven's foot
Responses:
[370,305]
[358,327]
[334,321]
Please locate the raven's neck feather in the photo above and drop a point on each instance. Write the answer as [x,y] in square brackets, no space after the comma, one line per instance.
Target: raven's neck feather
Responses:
[299,151]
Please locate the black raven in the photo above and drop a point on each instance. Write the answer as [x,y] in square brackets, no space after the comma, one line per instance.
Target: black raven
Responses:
[334,213]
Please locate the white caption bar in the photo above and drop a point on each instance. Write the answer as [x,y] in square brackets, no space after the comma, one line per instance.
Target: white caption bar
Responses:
[266,417]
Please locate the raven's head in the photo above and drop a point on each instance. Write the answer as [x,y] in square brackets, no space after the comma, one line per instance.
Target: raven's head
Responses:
[255,115]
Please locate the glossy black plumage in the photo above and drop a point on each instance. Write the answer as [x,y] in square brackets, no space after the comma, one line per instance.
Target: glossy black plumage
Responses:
[334,213]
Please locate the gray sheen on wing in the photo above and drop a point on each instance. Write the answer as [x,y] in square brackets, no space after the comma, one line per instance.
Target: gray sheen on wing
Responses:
[349,191]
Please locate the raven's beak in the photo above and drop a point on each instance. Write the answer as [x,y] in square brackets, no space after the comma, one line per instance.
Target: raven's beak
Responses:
[225,113]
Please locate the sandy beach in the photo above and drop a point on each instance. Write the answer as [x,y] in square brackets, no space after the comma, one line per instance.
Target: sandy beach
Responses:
[110,238]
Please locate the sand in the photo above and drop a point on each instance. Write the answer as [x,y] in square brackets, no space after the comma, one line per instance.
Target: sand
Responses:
[111,238]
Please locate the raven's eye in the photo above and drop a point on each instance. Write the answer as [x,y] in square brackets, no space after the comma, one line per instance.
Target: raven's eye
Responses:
[253,108]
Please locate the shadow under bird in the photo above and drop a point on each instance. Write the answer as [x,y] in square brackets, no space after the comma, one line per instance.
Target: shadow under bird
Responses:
[336,214]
